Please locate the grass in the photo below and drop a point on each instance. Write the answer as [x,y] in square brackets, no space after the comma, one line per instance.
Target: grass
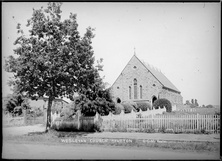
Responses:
[55,137]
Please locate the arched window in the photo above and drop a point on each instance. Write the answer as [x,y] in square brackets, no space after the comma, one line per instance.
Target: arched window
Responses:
[129,92]
[135,88]
[141,92]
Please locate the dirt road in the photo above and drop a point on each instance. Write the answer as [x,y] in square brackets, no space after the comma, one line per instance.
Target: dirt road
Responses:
[41,151]
[23,129]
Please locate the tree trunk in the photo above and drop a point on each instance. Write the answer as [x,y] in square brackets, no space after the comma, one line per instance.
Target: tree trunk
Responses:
[48,121]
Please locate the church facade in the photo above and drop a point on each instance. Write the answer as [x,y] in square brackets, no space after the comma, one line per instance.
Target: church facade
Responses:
[140,82]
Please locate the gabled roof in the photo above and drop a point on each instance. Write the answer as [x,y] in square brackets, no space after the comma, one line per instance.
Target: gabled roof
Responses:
[158,75]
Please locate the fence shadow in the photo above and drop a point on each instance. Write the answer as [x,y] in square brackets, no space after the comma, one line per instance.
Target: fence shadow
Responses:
[59,134]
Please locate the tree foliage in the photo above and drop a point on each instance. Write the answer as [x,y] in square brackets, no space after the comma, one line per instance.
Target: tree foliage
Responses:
[98,100]
[187,102]
[15,103]
[53,60]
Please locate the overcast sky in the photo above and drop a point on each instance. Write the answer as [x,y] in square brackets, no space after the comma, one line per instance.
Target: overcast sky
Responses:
[180,39]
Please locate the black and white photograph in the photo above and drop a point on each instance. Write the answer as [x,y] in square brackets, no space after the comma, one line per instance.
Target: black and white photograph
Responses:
[111,80]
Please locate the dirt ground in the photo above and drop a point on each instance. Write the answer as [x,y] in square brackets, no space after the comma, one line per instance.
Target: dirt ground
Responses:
[21,130]
[66,151]
[41,151]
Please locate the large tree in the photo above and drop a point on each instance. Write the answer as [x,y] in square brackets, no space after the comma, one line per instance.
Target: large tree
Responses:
[53,60]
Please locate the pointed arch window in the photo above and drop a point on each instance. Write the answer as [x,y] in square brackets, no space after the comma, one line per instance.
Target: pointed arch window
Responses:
[141,92]
[130,93]
[135,88]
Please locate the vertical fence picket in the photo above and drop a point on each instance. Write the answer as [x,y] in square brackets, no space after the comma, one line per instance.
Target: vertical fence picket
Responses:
[207,125]
[187,122]
[213,124]
[192,120]
[167,121]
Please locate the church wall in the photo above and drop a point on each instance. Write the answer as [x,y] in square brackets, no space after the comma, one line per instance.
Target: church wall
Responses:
[150,85]
[173,97]
[135,69]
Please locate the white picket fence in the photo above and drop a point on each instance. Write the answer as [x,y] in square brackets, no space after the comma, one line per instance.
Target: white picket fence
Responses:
[175,123]
[122,115]
[9,120]
[54,116]
[152,119]
[174,108]
[134,115]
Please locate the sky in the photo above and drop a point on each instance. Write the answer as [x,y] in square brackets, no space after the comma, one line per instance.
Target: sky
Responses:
[180,39]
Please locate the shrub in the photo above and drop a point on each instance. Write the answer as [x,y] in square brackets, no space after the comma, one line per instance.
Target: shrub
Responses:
[118,108]
[144,106]
[151,130]
[193,106]
[67,112]
[128,107]
[89,106]
[134,104]
[162,102]
[217,113]
[209,106]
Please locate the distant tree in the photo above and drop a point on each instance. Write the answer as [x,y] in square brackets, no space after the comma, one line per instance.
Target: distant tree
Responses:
[14,103]
[196,104]
[203,106]
[192,101]
[53,60]
[187,102]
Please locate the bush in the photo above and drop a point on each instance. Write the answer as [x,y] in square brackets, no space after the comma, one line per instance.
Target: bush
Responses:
[89,107]
[134,104]
[193,106]
[162,102]
[118,108]
[209,106]
[67,112]
[144,106]
[128,108]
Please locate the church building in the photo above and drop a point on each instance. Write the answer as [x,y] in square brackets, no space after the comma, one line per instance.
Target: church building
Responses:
[140,82]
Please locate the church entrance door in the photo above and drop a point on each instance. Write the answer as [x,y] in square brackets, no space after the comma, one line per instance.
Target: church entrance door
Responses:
[154,99]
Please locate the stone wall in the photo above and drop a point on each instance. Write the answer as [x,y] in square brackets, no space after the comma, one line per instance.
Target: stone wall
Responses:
[174,98]
[150,85]
[136,70]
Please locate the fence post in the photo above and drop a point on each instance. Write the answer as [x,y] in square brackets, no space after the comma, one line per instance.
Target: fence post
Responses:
[78,119]
[151,120]
[197,121]
[25,117]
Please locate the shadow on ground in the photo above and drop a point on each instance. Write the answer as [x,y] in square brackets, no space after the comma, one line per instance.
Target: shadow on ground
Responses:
[60,134]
